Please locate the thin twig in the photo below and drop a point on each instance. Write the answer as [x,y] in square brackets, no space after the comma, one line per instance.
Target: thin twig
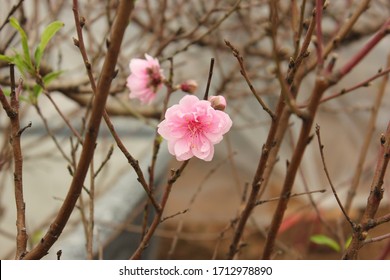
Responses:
[298,34]
[50,133]
[364,83]
[240,60]
[211,29]
[320,58]
[10,13]
[192,201]
[260,202]
[329,179]
[157,218]
[206,94]
[91,220]
[328,227]
[104,162]
[376,239]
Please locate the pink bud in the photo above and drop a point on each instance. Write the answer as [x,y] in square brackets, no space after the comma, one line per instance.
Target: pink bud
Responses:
[218,102]
[189,86]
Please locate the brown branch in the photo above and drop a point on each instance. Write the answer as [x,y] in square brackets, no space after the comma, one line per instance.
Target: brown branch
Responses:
[257,181]
[376,186]
[121,22]
[285,115]
[319,88]
[368,221]
[12,110]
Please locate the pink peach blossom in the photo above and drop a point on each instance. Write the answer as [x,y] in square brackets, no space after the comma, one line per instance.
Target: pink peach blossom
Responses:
[193,127]
[146,78]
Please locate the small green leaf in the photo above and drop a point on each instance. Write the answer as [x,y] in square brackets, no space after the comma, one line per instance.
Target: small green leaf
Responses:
[14,22]
[6,58]
[325,240]
[46,36]
[48,78]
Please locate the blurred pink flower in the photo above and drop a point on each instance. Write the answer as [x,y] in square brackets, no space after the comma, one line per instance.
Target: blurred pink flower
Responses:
[193,127]
[146,78]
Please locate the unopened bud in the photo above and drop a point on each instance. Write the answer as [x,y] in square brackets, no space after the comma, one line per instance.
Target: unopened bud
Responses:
[218,102]
[189,86]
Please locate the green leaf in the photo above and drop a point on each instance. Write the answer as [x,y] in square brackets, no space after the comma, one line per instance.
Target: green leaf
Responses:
[48,78]
[13,21]
[46,36]
[6,58]
[325,240]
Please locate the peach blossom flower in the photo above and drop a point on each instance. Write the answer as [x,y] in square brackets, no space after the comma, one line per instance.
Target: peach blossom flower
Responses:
[146,78]
[193,127]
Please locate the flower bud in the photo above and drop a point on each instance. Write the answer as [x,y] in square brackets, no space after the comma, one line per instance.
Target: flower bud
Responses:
[189,86]
[218,102]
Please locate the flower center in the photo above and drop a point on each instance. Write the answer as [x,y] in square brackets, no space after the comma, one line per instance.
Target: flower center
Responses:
[195,129]
[155,78]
